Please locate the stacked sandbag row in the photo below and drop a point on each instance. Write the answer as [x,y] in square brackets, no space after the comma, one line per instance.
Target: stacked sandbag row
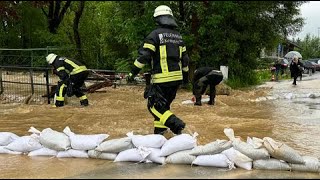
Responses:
[269,154]
[256,153]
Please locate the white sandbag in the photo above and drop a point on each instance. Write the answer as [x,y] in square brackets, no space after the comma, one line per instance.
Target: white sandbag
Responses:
[282,151]
[115,145]
[102,155]
[24,144]
[3,150]
[229,133]
[133,155]
[311,165]
[250,151]
[216,160]
[150,140]
[238,158]
[52,139]
[181,157]
[255,142]
[245,148]
[7,138]
[73,153]
[214,147]
[179,143]
[155,157]
[271,164]
[84,142]
[43,152]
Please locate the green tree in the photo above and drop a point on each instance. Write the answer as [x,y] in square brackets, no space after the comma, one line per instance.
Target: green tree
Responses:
[310,47]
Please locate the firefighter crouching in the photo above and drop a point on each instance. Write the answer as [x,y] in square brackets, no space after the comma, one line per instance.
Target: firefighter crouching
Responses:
[72,75]
[165,51]
[203,77]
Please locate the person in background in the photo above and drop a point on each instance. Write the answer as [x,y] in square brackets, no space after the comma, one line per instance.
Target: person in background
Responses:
[204,77]
[165,50]
[72,75]
[295,69]
[277,65]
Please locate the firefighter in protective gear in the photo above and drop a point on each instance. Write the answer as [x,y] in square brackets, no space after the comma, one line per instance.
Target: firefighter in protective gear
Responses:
[165,51]
[203,77]
[72,75]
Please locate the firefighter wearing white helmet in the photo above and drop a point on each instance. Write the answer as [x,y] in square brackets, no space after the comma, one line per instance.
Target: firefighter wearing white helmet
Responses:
[162,10]
[72,75]
[50,58]
[165,50]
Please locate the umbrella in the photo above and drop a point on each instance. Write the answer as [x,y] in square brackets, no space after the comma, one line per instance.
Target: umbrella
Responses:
[291,54]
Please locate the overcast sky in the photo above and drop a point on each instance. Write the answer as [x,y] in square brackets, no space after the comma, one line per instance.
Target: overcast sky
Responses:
[311,13]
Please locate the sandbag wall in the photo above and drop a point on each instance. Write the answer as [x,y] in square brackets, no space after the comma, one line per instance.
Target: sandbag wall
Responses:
[255,153]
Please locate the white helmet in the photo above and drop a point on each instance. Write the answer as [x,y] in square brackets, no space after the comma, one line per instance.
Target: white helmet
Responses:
[50,58]
[162,10]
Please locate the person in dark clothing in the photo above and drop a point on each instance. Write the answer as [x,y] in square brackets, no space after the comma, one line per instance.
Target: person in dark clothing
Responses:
[295,69]
[72,75]
[165,50]
[204,77]
[278,67]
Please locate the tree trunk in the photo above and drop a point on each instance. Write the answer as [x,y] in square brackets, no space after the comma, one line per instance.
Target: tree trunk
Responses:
[55,16]
[181,10]
[76,21]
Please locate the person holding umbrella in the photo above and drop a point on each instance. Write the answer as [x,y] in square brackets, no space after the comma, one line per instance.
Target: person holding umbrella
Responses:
[295,69]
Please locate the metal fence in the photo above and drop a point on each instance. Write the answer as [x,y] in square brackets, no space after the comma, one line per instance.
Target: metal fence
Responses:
[25,84]
[35,85]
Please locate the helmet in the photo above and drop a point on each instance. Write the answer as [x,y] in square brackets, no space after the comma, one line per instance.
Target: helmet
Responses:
[50,58]
[162,10]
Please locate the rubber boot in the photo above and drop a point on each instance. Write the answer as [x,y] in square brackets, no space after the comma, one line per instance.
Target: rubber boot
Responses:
[59,103]
[84,102]
[160,130]
[175,124]
[211,101]
[198,101]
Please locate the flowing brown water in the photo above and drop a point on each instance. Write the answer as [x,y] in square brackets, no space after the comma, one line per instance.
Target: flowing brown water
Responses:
[121,110]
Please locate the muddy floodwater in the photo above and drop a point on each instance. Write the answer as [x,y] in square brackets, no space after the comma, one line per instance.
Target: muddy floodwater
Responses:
[294,121]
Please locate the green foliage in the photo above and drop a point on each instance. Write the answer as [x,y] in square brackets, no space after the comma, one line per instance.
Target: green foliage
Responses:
[216,33]
[310,47]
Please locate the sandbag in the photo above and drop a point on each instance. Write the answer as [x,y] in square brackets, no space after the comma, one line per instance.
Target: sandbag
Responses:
[133,155]
[155,157]
[73,153]
[84,142]
[250,151]
[216,160]
[7,138]
[3,150]
[282,151]
[214,147]
[238,158]
[245,148]
[150,141]
[52,139]
[271,164]
[102,155]
[255,142]
[179,143]
[181,157]
[311,165]
[115,145]
[24,144]
[43,152]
